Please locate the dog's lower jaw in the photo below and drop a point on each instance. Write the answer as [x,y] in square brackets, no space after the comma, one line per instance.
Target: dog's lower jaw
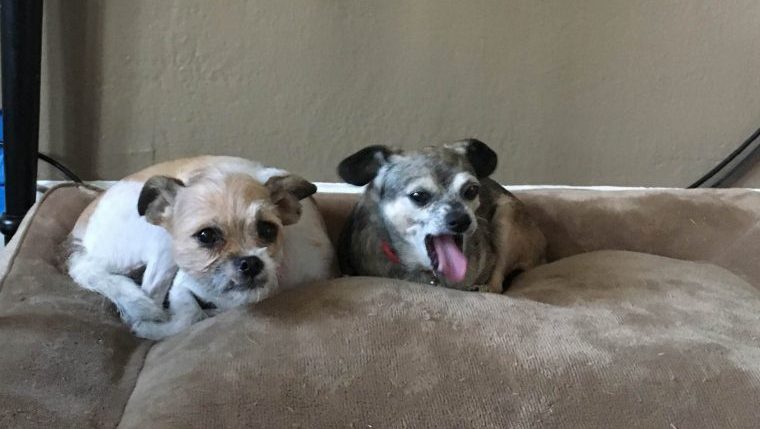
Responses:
[226,297]
[259,282]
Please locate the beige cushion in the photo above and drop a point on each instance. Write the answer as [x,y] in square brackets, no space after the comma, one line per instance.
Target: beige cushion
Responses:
[603,339]
[65,359]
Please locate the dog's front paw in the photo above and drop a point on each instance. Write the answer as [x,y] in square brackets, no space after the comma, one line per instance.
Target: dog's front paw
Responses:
[159,330]
[156,314]
[142,308]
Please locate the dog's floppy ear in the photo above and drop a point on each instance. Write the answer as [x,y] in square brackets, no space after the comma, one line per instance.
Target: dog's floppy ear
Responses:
[286,192]
[361,167]
[157,197]
[482,158]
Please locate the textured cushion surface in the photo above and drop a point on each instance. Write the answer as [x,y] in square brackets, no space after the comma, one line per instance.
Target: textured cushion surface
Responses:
[604,339]
[65,358]
[597,338]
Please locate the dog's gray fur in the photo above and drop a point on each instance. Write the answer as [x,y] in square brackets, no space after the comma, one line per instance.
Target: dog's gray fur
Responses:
[502,237]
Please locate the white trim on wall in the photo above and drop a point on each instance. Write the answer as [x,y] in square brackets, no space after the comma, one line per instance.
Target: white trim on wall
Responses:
[344,188]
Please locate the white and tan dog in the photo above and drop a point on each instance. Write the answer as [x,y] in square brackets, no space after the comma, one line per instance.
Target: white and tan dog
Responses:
[207,233]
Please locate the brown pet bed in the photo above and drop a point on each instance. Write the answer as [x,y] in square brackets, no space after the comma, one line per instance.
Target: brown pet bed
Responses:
[649,316]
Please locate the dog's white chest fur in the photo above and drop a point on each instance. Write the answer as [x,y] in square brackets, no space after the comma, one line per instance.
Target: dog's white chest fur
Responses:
[116,233]
[308,254]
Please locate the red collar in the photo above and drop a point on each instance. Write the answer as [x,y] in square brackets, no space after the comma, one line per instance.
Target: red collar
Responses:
[389,252]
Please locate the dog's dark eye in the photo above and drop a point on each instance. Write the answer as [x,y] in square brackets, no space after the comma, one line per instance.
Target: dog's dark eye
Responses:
[420,197]
[267,231]
[208,237]
[470,191]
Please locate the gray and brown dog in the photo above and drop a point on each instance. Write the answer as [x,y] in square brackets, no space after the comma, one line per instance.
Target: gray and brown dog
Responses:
[434,216]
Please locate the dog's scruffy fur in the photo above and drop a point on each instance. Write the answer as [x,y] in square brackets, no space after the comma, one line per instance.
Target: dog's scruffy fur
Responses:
[207,234]
[434,216]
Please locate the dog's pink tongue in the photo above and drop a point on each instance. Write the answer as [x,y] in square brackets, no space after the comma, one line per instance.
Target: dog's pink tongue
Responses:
[451,261]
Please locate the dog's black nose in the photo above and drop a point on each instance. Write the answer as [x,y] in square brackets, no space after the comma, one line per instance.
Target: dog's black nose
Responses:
[458,221]
[249,265]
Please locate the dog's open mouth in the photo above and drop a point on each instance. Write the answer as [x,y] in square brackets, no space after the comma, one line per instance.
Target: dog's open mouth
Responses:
[446,255]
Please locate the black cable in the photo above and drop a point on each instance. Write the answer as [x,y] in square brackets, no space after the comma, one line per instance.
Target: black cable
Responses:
[62,168]
[733,155]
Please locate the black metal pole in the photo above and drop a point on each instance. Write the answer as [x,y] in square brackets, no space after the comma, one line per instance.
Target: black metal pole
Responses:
[21,32]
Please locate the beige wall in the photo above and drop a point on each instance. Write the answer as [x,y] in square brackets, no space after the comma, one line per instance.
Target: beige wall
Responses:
[625,92]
